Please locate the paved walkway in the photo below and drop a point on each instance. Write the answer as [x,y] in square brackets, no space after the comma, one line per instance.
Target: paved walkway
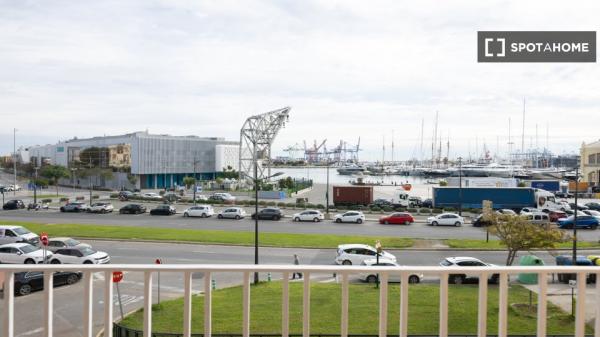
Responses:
[559,294]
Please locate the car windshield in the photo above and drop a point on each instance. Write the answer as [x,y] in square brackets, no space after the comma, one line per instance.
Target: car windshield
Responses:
[87,251]
[29,248]
[71,242]
[21,231]
[446,263]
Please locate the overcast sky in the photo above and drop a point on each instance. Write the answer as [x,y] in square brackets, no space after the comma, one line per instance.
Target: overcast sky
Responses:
[347,69]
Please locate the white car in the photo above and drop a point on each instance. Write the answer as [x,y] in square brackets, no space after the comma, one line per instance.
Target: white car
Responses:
[309,215]
[22,253]
[152,195]
[14,234]
[62,242]
[355,254]
[392,277]
[101,207]
[506,211]
[350,216]
[200,197]
[462,262]
[592,212]
[232,213]
[528,211]
[199,210]
[446,219]
[80,255]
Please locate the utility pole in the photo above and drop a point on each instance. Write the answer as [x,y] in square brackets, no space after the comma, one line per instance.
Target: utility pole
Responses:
[15,161]
[35,185]
[255,216]
[575,216]
[195,180]
[460,186]
[90,180]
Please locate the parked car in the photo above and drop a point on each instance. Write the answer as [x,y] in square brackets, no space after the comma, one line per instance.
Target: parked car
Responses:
[11,188]
[595,214]
[232,213]
[583,221]
[355,254]
[13,204]
[465,261]
[446,219]
[578,206]
[200,197]
[528,210]
[172,197]
[152,195]
[397,218]
[506,211]
[350,216]
[199,210]
[565,195]
[427,203]
[163,210]
[101,207]
[392,277]
[381,203]
[79,255]
[479,221]
[221,196]
[125,195]
[22,253]
[132,209]
[556,215]
[538,218]
[28,282]
[415,201]
[269,213]
[309,215]
[74,207]
[593,206]
[15,234]
[62,242]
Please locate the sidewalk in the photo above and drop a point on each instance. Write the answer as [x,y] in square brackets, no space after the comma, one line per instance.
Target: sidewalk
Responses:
[559,294]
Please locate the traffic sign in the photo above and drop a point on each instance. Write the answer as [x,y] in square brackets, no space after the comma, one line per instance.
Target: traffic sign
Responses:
[158,261]
[117,276]
[44,238]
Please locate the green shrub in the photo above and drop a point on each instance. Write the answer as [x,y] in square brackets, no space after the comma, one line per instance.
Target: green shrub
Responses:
[290,204]
[95,196]
[387,208]
[425,210]
[64,199]
[411,210]
[114,195]
[271,203]
[309,205]
[320,206]
[281,204]
[437,211]
[262,203]
[161,193]
[80,198]
[375,209]
[449,209]
[47,201]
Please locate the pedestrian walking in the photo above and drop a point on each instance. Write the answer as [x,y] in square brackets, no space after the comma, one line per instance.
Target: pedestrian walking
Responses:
[296,262]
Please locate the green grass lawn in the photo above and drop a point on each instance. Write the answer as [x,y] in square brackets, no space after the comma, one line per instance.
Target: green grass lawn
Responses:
[363,310]
[208,236]
[496,244]
[49,196]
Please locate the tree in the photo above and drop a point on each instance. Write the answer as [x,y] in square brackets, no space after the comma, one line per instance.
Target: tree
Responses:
[188,181]
[518,234]
[132,179]
[54,173]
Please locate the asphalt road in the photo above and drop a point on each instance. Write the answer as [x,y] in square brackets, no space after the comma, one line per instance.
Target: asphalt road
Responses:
[372,228]
[69,300]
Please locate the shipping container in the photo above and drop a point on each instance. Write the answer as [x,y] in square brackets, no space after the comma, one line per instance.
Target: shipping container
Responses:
[352,195]
[548,185]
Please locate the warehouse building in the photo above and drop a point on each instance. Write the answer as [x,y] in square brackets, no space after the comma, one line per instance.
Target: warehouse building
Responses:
[158,161]
[590,163]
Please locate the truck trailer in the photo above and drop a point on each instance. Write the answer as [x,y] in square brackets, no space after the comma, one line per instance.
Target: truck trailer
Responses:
[501,197]
[352,195]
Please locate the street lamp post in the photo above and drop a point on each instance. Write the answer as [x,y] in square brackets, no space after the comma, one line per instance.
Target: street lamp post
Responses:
[327,193]
[35,185]
[575,217]
[15,161]
[73,169]
[460,186]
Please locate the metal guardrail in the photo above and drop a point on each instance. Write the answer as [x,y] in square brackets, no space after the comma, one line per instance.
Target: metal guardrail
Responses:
[343,273]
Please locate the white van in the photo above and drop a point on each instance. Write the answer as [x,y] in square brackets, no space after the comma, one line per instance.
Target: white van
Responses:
[13,234]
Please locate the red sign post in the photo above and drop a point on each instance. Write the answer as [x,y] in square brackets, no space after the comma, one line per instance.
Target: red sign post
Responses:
[44,238]
[158,261]
[117,276]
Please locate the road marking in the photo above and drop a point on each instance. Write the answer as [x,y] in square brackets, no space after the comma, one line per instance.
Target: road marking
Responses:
[31,332]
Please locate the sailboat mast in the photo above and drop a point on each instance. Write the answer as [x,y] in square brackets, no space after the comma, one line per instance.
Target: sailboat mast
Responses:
[422,130]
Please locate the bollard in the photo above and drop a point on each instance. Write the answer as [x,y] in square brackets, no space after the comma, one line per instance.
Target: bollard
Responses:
[213,284]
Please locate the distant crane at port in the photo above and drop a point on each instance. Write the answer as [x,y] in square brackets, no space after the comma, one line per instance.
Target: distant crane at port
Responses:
[316,153]
[294,150]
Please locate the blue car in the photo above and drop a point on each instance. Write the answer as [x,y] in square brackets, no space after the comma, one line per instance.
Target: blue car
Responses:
[583,221]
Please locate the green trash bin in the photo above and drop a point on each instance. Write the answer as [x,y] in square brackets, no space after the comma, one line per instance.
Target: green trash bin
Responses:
[529,260]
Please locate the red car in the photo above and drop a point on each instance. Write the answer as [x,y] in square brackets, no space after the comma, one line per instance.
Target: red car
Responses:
[556,215]
[397,218]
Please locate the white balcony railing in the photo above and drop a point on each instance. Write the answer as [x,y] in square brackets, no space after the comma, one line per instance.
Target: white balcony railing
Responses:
[343,273]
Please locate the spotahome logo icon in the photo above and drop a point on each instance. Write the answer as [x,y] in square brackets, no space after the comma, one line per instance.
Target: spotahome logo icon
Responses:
[530,46]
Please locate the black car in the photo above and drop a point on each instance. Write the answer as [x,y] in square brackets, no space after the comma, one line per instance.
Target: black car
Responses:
[579,207]
[480,222]
[428,203]
[163,210]
[563,195]
[132,209]
[593,205]
[269,214]
[14,204]
[27,282]
[382,202]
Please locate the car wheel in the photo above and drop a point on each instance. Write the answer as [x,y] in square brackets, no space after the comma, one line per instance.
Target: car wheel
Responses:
[87,262]
[185,215]
[204,215]
[495,278]
[413,279]
[406,223]
[55,261]
[72,279]
[347,263]
[457,224]
[220,216]
[121,212]
[316,220]
[386,222]
[359,220]
[371,278]
[458,279]
[594,227]
[296,219]
[434,223]
[62,209]
[237,217]
[24,289]
[276,218]
[29,261]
